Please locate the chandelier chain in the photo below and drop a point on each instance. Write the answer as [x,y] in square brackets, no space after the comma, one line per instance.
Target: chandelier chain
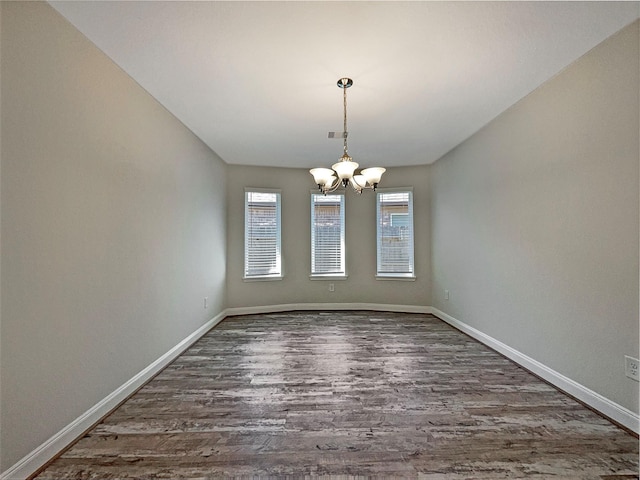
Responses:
[345,131]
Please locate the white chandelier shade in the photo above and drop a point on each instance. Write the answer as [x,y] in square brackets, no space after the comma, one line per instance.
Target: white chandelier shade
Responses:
[344,171]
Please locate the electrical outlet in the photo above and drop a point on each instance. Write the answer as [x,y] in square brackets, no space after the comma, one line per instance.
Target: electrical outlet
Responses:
[331,287]
[631,368]
[205,303]
[446,294]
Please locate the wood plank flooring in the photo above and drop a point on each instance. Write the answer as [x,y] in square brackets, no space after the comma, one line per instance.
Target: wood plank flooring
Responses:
[347,395]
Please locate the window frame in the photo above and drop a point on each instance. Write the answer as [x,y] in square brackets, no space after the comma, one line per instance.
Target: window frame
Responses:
[386,275]
[342,275]
[278,204]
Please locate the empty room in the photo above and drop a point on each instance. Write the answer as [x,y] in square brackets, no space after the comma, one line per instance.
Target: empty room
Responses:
[319,239]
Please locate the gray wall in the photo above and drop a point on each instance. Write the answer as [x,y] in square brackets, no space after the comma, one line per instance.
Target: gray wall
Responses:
[113,228]
[535,222]
[115,221]
[296,287]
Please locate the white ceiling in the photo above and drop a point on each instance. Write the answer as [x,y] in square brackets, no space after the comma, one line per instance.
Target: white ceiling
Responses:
[256,81]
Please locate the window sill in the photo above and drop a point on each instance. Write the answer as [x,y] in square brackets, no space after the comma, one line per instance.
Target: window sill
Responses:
[328,277]
[262,278]
[403,277]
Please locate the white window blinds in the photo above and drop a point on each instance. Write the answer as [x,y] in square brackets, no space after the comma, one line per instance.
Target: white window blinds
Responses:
[395,233]
[327,235]
[262,242]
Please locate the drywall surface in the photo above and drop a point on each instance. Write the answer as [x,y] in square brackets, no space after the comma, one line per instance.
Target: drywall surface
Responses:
[535,222]
[361,285]
[113,228]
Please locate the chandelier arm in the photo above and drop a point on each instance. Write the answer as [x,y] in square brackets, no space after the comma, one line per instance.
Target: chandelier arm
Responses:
[356,187]
[332,188]
[361,187]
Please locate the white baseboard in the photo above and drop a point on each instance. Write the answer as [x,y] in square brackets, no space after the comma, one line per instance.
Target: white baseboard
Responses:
[606,407]
[29,464]
[41,455]
[288,307]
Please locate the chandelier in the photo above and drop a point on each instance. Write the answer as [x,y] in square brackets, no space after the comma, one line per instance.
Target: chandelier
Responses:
[344,172]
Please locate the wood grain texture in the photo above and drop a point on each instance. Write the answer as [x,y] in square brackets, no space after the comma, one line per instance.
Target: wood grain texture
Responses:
[347,395]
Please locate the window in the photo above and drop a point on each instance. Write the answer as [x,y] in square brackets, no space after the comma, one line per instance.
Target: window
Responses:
[327,235]
[395,233]
[262,257]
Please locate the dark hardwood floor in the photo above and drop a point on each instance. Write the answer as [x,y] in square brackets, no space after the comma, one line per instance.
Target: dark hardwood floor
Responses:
[347,394]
